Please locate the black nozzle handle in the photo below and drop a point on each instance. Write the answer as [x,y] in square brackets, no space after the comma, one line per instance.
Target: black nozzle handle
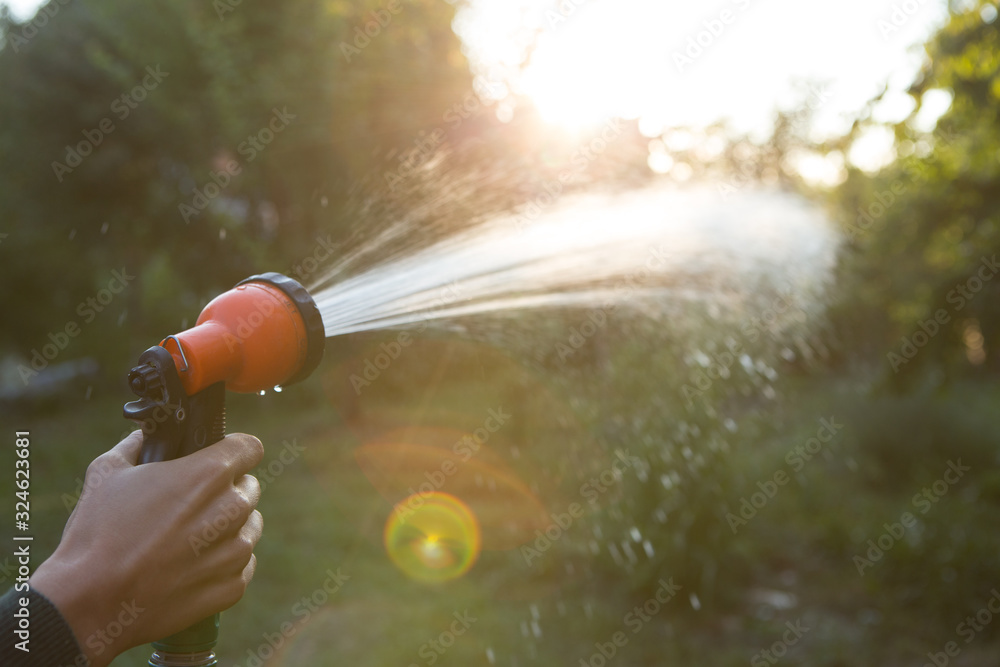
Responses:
[204,425]
[175,425]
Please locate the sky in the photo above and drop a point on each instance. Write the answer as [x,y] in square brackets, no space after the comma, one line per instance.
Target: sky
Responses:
[676,62]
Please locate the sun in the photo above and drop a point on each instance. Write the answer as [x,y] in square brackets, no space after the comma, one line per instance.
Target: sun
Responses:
[579,84]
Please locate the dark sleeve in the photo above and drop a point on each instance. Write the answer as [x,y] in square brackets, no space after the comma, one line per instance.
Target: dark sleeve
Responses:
[51,642]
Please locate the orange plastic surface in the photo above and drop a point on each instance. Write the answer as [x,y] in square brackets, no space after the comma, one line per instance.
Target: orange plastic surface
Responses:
[251,337]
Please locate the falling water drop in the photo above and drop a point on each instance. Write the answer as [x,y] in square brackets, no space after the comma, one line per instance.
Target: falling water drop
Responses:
[277,388]
[261,392]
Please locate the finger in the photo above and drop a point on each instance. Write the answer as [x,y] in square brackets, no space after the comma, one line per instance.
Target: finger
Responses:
[249,571]
[239,453]
[246,541]
[125,453]
[253,529]
[233,590]
[221,593]
[248,487]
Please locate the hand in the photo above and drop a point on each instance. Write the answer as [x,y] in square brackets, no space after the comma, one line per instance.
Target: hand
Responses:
[155,548]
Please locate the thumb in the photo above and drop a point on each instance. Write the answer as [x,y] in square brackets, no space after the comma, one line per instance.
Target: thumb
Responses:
[126,453]
[123,455]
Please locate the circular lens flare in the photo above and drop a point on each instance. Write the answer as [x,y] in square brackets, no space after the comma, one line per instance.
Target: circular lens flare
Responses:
[432,537]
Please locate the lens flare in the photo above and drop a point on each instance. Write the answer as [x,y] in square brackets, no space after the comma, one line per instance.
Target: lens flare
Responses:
[433,537]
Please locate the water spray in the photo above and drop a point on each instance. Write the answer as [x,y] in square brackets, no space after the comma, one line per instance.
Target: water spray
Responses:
[265,332]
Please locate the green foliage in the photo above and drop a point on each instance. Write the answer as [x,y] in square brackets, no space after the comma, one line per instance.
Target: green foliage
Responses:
[226,70]
[920,228]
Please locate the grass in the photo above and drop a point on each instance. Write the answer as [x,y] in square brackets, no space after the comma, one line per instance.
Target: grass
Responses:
[791,562]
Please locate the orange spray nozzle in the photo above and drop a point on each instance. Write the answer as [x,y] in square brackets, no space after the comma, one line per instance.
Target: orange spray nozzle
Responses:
[266,331]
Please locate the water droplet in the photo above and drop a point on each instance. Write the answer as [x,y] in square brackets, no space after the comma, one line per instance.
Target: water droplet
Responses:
[615,555]
[222,234]
[277,388]
[695,602]
[105,227]
[489,651]
[261,392]
[648,548]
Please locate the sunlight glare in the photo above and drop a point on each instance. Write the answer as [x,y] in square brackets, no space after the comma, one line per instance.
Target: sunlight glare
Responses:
[597,59]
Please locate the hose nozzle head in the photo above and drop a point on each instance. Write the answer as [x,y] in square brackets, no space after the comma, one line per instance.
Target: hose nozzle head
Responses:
[265,332]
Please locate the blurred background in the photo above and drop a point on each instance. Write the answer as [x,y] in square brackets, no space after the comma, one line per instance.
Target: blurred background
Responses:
[787,453]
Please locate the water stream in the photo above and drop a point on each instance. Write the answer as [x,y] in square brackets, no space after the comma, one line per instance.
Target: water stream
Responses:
[586,251]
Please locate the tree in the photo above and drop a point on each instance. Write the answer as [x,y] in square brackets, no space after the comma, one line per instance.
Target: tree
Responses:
[923,231]
[196,145]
